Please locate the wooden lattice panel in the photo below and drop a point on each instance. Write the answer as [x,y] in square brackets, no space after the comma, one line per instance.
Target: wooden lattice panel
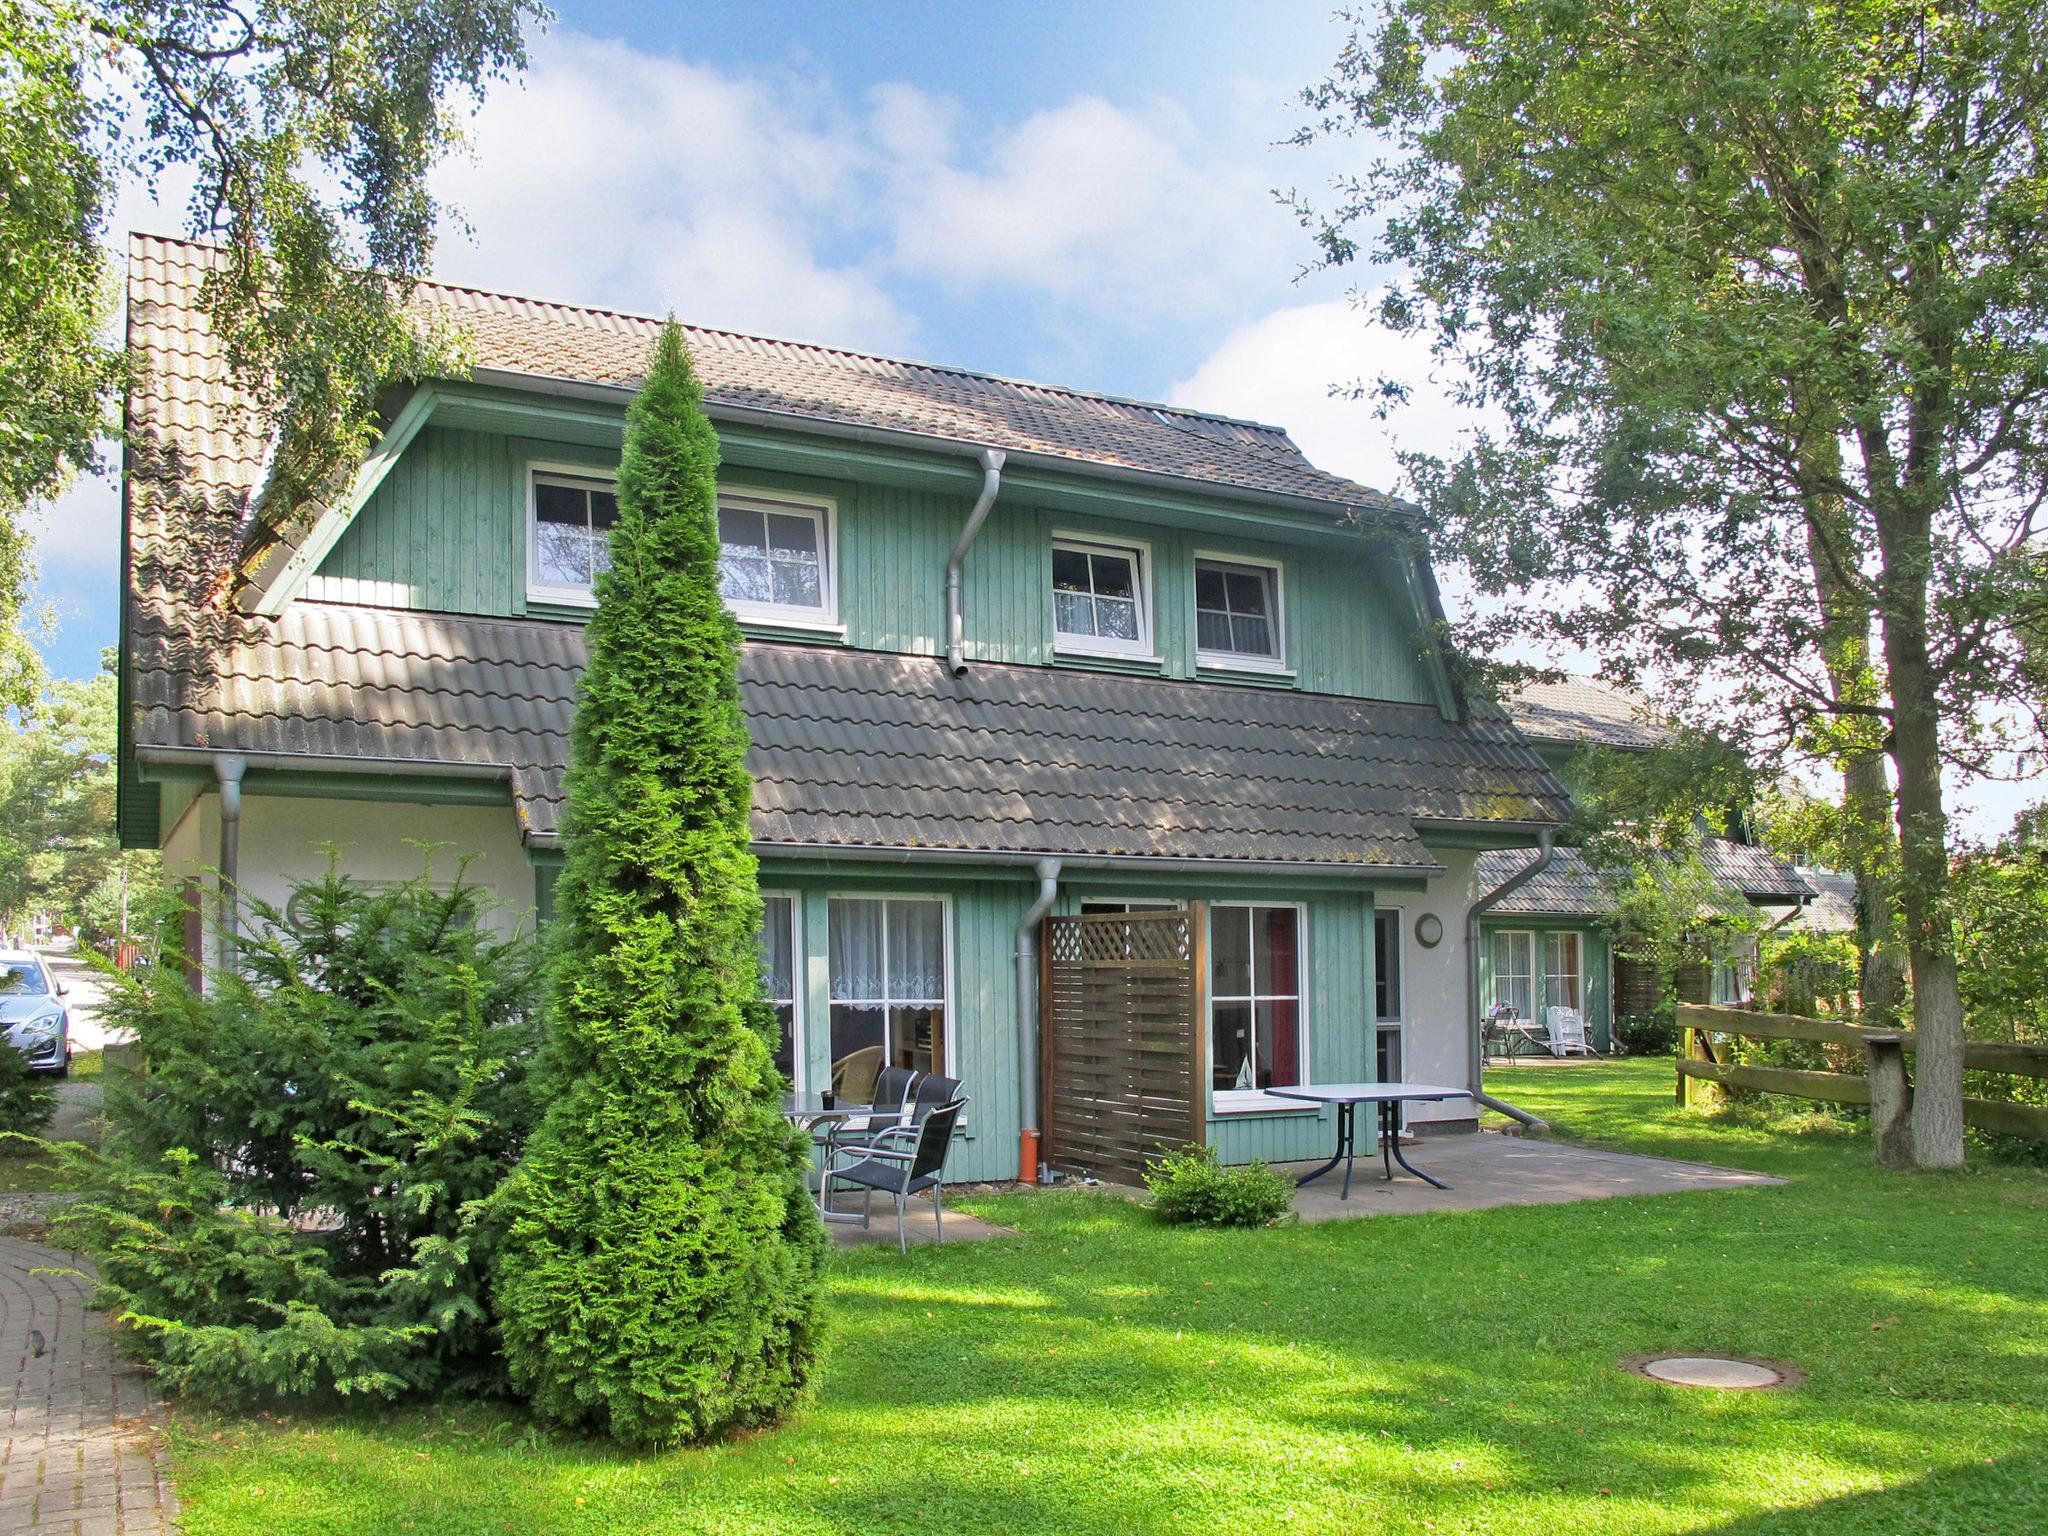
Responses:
[1124,1072]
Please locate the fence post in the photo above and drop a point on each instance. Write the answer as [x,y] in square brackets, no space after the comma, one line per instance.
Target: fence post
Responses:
[1891,1100]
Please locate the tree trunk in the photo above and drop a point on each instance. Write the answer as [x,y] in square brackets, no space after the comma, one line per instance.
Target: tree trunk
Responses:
[1904,536]
[1848,653]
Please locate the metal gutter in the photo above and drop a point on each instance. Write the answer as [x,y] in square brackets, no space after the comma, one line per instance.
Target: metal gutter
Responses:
[228,768]
[1027,1019]
[956,623]
[1545,848]
[951,447]
[866,853]
[368,767]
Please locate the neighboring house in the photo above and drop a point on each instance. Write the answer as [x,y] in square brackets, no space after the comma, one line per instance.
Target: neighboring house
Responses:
[1176,668]
[1555,940]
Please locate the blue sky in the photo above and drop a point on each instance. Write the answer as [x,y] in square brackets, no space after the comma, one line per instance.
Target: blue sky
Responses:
[1076,193]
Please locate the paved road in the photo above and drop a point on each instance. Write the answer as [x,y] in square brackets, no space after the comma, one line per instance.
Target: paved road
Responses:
[80,1449]
[83,984]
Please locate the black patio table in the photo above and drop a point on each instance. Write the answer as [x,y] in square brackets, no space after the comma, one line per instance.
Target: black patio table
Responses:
[1390,1097]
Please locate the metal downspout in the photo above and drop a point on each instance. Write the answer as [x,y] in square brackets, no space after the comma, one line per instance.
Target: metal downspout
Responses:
[1545,847]
[1027,1019]
[228,768]
[956,624]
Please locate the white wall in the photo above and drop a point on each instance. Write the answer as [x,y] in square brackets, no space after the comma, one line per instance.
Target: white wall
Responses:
[1439,1037]
[284,840]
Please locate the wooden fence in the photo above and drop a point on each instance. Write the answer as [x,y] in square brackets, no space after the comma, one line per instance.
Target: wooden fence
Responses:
[1125,1066]
[1699,1061]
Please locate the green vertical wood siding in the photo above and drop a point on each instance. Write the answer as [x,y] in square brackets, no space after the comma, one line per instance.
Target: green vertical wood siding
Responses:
[446,532]
[1596,946]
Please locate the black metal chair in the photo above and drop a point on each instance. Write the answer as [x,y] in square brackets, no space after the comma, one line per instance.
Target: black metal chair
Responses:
[902,1171]
[892,1091]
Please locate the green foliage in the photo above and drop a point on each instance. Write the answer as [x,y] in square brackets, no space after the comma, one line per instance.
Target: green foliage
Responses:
[57,843]
[1189,1187]
[308,129]
[27,1099]
[2002,938]
[660,1273]
[285,1203]
[1646,1034]
[1809,973]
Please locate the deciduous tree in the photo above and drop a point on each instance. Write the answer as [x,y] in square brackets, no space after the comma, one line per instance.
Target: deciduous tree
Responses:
[1761,296]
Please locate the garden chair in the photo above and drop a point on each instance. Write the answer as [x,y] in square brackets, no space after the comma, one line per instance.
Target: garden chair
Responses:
[1506,1029]
[1567,1032]
[916,1164]
[892,1090]
[932,1092]
[855,1074]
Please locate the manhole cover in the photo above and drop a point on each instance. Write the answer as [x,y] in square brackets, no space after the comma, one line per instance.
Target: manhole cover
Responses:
[1723,1372]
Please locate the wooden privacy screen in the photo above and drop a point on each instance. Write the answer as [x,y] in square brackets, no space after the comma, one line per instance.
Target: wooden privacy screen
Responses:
[1125,1065]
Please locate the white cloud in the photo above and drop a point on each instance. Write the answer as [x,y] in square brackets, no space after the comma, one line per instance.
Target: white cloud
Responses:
[615,177]
[1281,367]
[1095,204]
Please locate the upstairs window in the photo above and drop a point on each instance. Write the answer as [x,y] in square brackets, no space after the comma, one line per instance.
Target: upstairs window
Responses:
[1101,599]
[1237,614]
[775,560]
[569,533]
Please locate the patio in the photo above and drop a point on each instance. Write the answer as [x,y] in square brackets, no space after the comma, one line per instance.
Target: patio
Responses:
[1490,1169]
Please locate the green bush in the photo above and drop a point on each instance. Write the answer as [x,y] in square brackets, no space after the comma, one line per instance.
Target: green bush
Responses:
[1646,1034]
[1190,1187]
[285,1201]
[27,1099]
[660,1273]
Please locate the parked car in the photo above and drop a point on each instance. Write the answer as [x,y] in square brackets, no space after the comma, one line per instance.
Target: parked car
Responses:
[32,1012]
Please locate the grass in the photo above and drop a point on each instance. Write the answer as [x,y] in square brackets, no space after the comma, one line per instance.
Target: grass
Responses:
[1400,1374]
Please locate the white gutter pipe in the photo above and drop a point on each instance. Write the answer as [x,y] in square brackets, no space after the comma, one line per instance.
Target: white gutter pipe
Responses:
[228,768]
[1028,1164]
[1545,848]
[956,624]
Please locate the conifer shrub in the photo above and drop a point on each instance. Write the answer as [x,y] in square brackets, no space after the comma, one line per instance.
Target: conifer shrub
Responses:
[27,1100]
[659,1275]
[285,1202]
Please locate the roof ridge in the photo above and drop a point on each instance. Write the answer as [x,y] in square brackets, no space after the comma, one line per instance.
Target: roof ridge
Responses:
[955,370]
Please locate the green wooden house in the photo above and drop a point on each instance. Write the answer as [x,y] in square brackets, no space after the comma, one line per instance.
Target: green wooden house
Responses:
[1554,939]
[1013,653]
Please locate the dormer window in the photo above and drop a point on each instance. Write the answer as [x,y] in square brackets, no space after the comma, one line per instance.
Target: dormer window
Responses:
[572,513]
[775,563]
[1101,599]
[1238,622]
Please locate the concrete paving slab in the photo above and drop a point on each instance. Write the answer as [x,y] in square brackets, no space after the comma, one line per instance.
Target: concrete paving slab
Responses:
[919,1225]
[1489,1169]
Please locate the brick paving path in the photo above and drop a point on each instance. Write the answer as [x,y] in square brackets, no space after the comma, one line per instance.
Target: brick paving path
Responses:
[79,1449]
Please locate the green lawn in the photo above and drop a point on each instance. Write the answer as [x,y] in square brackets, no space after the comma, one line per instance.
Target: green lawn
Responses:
[1453,1373]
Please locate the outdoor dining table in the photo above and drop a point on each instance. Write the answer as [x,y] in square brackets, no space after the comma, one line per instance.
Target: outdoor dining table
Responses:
[810,1110]
[1389,1097]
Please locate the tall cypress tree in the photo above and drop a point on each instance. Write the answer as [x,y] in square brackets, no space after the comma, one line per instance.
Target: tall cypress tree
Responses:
[659,1276]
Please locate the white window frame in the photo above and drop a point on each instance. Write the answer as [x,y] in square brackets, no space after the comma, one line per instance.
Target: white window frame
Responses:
[1233,661]
[1731,971]
[1578,971]
[799,1036]
[950,998]
[822,510]
[1535,971]
[1139,553]
[1238,1101]
[538,591]
[1398,1024]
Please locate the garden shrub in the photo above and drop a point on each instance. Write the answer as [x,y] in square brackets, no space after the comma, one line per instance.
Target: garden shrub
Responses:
[27,1100]
[1646,1034]
[1190,1187]
[661,1268]
[285,1202]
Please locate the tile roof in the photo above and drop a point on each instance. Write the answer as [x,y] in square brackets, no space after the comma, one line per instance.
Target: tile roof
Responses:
[860,748]
[1833,908]
[1574,886]
[1582,710]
